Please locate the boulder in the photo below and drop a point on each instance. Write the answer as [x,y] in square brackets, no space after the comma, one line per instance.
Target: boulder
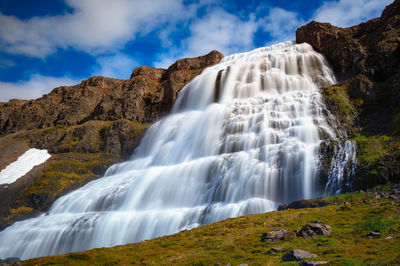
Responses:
[314,229]
[300,204]
[276,235]
[10,260]
[297,255]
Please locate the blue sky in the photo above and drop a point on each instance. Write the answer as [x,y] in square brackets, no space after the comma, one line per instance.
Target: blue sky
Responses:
[49,43]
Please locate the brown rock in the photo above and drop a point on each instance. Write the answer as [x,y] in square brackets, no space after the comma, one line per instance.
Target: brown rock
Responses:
[314,229]
[371,48]
[297,255]
[149,92]
[276,235]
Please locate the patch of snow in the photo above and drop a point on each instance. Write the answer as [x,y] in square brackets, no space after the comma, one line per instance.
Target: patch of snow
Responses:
[23,165]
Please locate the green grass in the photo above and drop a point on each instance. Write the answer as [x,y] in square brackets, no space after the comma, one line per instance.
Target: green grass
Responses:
[237,240]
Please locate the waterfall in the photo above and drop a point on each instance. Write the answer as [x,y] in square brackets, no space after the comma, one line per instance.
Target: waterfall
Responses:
[242,138]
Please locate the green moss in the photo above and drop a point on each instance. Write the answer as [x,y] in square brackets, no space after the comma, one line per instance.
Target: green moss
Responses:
[341,106]
[66,172]
[18,212]
[377,159]
[238,240]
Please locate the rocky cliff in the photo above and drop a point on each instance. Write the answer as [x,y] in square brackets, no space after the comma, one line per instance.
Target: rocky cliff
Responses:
[366,61]
[86,128]
[149,92]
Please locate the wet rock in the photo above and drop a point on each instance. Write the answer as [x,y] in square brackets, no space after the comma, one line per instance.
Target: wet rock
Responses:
[314,229]
[313,262]
[276,235]
[297,255]
[10,260]
[300,204]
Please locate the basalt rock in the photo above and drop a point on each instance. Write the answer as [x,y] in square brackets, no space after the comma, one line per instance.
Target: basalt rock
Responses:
[371,48]
[297,255]
[366,61]
[149,93]
[276,235]
[301,204]
[314,229]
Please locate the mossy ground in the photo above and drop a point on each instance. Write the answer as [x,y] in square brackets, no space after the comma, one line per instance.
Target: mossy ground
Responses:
[237,240]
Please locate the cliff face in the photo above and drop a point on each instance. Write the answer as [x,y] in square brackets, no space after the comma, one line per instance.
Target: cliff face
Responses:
[149,92]
[86,128]
[366,61]
[370,48]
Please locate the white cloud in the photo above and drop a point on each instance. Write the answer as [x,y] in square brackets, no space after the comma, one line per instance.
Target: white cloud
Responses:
[281,24]
[118,66]
[222,31]
[216,30]
[345,13]
[94,26]
[33,88]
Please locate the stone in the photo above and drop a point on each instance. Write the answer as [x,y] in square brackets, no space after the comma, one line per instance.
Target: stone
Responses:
[313,262]
[276,235]
[374,234]
[297,255]
[314,229]
[394,198]
[300,204]
[389,237]
[11,260]
[276,249]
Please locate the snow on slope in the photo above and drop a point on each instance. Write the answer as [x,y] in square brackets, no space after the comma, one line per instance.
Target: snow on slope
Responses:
[23,165]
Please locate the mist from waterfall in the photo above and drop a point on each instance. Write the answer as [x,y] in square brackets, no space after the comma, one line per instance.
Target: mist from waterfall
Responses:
[242,138]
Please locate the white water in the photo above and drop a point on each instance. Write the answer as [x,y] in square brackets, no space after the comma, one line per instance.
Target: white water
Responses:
[23,165]
[242,138]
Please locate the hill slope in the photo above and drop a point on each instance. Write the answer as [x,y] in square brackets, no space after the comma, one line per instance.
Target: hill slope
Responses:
[238,240]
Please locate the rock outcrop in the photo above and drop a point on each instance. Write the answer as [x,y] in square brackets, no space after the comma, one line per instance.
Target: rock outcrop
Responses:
[149,93]
[371,48]
[366,60]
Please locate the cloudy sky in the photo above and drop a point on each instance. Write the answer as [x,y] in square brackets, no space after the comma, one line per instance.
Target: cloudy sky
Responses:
[48,43]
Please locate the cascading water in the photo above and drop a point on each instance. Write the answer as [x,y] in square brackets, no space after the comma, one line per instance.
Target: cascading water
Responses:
[242,138]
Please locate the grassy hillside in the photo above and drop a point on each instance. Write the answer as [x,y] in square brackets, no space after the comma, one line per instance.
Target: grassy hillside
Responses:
[237,241]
